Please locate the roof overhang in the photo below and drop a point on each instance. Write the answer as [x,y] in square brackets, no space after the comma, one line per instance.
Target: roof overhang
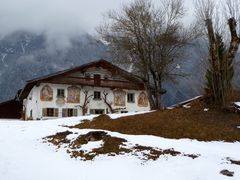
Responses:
[100,63]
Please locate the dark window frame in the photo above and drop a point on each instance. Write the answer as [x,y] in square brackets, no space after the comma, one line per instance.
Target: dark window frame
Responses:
[50,112]
[60,92]
[106,77]
[97,95]
[131,97]
[31,113]
[70,112]
[87,75]
[97,111]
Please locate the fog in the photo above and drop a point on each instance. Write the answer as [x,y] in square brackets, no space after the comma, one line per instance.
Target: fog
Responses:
[53,16]
[59,20]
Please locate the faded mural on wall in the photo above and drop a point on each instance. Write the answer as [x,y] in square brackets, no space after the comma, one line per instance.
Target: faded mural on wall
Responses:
[142,100]
[119,97]
[73,95]
[46,93]
[60,101]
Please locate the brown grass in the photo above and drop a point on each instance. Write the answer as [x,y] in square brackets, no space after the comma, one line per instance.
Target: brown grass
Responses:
[192,123]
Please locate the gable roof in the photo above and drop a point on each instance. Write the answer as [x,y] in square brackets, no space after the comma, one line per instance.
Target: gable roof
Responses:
[100,63]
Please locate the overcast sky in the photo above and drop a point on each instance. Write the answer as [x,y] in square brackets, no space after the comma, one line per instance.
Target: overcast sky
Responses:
[59,18]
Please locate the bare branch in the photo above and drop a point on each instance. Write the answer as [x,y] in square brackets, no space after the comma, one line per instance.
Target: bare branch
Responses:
[204,9]
[109,104]
[148,38]
[85,102]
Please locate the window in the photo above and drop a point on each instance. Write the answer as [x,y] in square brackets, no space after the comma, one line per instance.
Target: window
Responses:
[69,112]
[60,93]
[50,112]
[130,98]
[97,95]
[87,75]
[124,111]
[106,77]
[31,113]
[96,111]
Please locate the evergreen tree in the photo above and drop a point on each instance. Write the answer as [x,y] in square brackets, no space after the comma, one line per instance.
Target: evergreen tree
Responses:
[219,75]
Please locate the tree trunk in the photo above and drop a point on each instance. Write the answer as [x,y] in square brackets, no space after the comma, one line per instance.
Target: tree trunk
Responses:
[150,96]
[105,94]
[213,56]
[221,64]
[234,44]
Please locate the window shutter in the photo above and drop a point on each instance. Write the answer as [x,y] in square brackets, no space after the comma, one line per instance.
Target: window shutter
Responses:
[64,112]
[44,112]
[92,111]
[56,112]
[75,112]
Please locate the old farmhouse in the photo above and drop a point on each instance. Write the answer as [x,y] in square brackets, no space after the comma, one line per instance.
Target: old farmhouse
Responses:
[95,88]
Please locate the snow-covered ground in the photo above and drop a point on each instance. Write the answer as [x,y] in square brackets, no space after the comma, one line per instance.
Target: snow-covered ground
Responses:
[23,156]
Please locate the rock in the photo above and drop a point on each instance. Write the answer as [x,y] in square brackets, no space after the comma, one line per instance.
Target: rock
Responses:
[227,172]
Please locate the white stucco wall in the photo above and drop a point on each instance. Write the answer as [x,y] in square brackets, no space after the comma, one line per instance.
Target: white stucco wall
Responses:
[33,102]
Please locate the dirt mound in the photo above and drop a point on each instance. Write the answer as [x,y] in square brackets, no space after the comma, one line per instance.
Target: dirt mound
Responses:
[111,146]
[194,121]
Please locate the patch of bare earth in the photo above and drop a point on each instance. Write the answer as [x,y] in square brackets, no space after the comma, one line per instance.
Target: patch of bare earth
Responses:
[195,123]
[236,162]
[111,146]
[226,172]
[58,139]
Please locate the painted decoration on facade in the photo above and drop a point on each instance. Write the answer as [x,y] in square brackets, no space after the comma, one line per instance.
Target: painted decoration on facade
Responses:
[73,94]
[142,100]
[60,101]
[46,93]
[119,97]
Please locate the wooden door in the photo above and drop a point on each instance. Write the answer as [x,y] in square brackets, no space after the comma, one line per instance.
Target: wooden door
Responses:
[97,79]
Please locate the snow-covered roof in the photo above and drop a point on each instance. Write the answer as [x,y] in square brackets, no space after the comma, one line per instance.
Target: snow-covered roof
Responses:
[187,101]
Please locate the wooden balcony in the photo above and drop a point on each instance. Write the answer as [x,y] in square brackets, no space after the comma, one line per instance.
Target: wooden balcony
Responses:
[102,83]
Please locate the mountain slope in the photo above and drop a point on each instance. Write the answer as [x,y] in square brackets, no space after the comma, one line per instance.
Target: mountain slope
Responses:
[24,56]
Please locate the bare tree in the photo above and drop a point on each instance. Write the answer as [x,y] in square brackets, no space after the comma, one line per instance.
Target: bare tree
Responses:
[86,102]
[109,104]
[221,57]
[148,39]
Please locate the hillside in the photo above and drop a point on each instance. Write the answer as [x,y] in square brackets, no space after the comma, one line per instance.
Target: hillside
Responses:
[194,121]
[24,56]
